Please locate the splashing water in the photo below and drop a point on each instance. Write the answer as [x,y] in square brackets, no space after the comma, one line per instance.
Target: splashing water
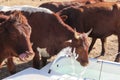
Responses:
[73,60]
[73,67]
[74,72]
[67,59]
[83,72]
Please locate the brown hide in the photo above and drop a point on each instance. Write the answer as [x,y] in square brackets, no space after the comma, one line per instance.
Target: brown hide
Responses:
[14,38]
[75,15]
[102,17]
[57,6]
[50,32]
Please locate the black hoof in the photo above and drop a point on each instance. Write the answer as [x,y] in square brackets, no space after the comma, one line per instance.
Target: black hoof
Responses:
[117,59]
[102,54]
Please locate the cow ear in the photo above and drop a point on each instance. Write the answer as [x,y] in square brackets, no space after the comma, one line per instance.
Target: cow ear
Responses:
[12,18]
[17,13]
[64,17]
[15,16]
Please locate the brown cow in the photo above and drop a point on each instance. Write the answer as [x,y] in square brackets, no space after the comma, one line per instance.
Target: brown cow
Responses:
[103,17]
[14,39]
[50,32]
[57,6]
[53,35]
[98,0]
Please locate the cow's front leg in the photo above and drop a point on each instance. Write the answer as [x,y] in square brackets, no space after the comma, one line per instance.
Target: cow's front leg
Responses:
[1,60]
[103,41]
[92,44]
[1,64]
[11,65]
[44,61]
[36,60]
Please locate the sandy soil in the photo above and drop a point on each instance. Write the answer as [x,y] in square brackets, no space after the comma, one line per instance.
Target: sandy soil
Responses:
[111,45]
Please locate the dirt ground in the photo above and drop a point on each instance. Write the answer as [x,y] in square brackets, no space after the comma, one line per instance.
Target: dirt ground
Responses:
[111,44]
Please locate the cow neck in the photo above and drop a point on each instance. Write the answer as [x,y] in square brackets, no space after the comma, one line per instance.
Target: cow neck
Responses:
[67,30]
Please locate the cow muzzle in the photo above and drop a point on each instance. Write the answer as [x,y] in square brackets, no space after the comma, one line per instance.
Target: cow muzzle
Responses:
[83,62]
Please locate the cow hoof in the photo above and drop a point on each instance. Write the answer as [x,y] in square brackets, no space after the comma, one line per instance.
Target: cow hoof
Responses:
[12,72]
[102,54]
[117,59]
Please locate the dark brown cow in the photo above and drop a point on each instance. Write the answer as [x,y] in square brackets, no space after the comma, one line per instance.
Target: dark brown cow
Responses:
[50,32]
[54,33]
[98,0]
[57,6]
[14,39]
[102,17]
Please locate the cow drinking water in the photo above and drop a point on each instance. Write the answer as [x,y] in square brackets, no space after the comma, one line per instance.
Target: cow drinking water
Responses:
[50,32]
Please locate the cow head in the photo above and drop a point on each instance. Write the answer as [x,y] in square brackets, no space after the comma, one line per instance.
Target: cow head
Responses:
[16,33]
[80,43]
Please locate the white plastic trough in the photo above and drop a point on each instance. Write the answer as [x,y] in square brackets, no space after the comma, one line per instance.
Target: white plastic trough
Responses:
[65,67]
[96,70]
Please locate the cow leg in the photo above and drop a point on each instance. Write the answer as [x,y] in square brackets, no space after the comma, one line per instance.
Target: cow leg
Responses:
[117,59]
[36,60]
[103,41]
[92,44]
[44,61]
[0,65]
[11,65]
[118,43]
[1,60]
